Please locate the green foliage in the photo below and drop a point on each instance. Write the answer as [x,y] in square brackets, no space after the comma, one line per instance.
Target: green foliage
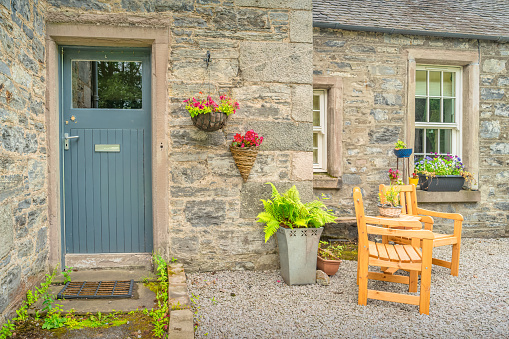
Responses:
[53,318]
[390,196]
[160,314]
[67,274]
[32,297]
[288,211]
[7,330]
[400,144]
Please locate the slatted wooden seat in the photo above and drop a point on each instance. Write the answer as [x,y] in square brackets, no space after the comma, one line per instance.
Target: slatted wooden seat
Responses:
[408,198]
[399,256]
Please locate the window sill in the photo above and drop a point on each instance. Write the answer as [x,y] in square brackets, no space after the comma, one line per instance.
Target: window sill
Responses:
[447,197]
[324,181]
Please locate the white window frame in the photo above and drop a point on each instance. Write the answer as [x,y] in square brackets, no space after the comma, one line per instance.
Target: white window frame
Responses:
[456,127]
[321,131]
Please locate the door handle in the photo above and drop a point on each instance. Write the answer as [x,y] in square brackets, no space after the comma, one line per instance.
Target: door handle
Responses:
[67,138]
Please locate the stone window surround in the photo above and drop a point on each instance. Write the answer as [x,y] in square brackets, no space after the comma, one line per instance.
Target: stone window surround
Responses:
[334,87]
[106,35]
[469,60]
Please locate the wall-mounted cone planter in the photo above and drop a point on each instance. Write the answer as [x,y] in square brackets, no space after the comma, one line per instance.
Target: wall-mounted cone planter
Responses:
[244,159]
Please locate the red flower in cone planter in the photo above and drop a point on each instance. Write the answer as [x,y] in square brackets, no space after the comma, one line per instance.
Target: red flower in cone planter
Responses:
[244,149]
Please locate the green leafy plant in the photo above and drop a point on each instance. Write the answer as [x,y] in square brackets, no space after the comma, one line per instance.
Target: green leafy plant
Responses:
[329,251]
[390,197]
[288,211]
[67,274]
[160,314]
[54,319]
[7,330]
[400,144]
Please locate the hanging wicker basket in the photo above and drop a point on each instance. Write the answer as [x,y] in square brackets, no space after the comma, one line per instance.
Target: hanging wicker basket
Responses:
[210,122]
[244,159]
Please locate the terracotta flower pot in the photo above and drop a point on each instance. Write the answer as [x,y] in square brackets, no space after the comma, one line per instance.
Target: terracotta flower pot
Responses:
[330,267]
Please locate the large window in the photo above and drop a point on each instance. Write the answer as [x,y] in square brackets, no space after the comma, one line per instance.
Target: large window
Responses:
[319,131]
[437,110]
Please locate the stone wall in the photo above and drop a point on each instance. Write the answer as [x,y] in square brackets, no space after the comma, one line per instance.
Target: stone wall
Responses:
[261,54]
[373,68]
[23,187]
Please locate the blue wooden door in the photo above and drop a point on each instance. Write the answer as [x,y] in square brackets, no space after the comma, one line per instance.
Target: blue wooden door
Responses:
[106,150]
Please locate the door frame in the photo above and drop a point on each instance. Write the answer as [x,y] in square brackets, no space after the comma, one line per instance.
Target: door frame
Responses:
[105,35]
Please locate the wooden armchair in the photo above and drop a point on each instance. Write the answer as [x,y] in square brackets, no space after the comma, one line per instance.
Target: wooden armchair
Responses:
[409,202]
[404,257]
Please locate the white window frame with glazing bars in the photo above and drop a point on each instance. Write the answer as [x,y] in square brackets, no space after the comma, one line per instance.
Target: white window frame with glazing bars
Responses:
[455,127]
[321,132]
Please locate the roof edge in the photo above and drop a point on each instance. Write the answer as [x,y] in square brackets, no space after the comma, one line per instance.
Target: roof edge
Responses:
[409,31]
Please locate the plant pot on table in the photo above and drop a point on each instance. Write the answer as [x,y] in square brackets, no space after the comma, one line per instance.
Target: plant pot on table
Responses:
[389,211]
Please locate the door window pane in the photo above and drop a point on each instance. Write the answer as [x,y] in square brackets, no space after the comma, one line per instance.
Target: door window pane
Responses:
[431,141]
[420,109]
[434,83]
[107,84]
[449,110]
[445,141]
[420,83]
[434,110]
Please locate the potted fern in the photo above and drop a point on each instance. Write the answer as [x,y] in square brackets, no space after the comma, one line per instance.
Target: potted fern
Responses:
[298,227]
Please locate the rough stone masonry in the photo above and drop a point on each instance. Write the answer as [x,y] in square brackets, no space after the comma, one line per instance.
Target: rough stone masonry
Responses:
[23,187]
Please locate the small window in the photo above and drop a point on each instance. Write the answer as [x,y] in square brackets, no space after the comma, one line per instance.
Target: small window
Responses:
[107,84]
[319,131]
[437,111]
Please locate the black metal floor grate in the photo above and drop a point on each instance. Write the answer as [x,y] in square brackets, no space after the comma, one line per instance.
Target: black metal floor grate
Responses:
[97,289]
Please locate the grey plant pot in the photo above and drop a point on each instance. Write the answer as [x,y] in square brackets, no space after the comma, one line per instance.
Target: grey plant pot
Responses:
[298,250]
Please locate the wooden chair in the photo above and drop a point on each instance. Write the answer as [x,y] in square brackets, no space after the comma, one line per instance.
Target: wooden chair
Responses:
[408,197]
[404,257]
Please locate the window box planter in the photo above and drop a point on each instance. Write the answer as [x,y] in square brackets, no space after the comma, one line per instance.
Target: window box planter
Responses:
[441,183]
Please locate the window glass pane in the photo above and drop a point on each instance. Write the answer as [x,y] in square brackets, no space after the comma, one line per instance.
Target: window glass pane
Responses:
[315,148]
[316,118]
[418,147]
[431,140]
[420,83]
[449,84]
[316,102]
[112,84]
[449,110]
[445,141]
[420,109]
[434,110]
[434,83]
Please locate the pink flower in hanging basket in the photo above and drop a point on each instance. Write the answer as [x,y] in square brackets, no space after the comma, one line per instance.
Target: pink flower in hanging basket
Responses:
[225,105]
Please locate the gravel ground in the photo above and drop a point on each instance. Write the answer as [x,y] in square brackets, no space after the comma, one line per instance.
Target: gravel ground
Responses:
[247,304]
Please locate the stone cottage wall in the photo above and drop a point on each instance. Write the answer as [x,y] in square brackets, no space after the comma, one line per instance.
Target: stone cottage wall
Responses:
[261,54]
[373,68]
[23,187]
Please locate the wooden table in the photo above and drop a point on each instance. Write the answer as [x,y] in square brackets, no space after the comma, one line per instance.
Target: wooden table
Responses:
[415,242]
